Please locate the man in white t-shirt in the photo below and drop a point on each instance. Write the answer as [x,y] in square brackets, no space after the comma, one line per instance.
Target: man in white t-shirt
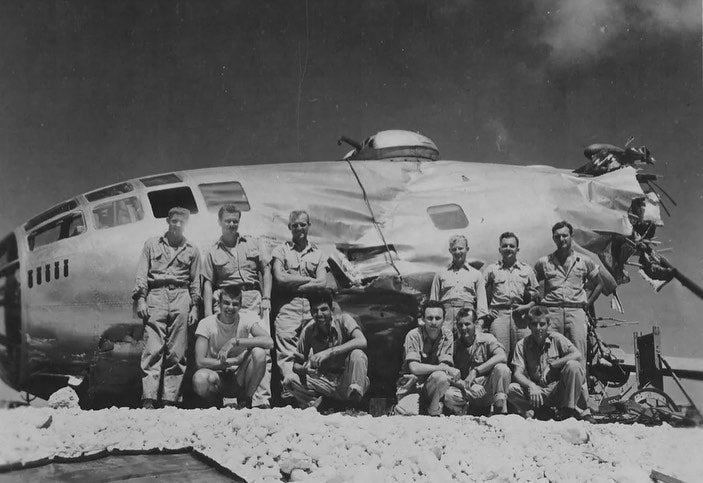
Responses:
[230,352]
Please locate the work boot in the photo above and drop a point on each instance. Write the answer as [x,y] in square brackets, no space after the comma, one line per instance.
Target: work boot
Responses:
[148,404]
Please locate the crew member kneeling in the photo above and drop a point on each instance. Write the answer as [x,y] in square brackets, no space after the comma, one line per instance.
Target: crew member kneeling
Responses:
[547,370]
[330,359]
[485,377]
[427,365]
[230,352]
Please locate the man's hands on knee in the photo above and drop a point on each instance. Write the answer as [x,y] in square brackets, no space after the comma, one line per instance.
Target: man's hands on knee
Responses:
[536,396]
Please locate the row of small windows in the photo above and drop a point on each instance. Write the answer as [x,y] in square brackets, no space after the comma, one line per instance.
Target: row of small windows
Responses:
[129,210]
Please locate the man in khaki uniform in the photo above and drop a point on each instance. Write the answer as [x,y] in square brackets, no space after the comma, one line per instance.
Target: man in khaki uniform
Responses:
[511,287]
[566,275]
[547,371]
[485,377]
[332,360]
[299,269]
[427,364]
[167,292]
[237,260]
[459,285]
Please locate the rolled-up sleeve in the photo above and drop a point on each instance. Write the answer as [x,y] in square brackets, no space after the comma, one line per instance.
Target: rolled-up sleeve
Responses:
[532,287]
[592,268]
[445,351]
[141,285]
[519,356]
[194,284]
[434,290]
[412,349]
[481,299]
[206,266]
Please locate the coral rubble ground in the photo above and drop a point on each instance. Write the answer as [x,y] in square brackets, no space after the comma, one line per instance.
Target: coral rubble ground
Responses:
[302,445]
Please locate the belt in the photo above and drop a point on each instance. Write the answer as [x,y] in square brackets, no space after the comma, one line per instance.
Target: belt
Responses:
[244,286]
[501,306]
[566,305]
[458,304]
[170,286]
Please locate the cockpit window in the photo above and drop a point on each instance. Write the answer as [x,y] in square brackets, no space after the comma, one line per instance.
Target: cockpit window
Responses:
[114,190]
[161,179]
[50,213]
[67,226]
[118,212]
[163,200]
[218,194]
[448,217]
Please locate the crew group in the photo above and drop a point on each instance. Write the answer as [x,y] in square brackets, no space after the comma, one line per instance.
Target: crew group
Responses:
[455,361]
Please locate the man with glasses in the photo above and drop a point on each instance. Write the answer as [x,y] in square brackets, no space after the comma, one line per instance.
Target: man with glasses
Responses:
[330,361]
[299,269]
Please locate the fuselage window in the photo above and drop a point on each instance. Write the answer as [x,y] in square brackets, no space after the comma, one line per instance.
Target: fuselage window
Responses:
[448,217]
[50,213]
[114,190]
[118,212]
[161,179]
[218,194]
[164,200]
[65,227]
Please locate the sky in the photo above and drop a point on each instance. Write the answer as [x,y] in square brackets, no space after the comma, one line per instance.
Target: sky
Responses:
[92,93]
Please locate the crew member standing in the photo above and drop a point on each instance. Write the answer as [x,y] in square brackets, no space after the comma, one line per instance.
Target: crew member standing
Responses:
[299,268]
[167,292]
[566,275]
[459,285]
[511,287]
[236,260]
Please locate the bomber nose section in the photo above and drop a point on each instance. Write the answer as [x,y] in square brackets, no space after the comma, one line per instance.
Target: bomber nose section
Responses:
[10,312]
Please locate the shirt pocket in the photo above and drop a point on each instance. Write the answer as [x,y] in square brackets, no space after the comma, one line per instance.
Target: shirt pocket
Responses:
[292,265]
[551,273]
[221,261]
[183,259]
[159,261]
[311,267]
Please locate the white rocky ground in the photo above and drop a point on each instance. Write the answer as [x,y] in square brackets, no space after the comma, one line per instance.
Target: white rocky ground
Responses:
[270,445]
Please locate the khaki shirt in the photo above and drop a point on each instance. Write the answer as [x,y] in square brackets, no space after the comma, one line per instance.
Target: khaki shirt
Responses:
[460,287]
[160,265]
[225,266]
[419,347]
[510,286]
[484,347]
[313,339]
[535,360]
[304,263]
[565,283]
